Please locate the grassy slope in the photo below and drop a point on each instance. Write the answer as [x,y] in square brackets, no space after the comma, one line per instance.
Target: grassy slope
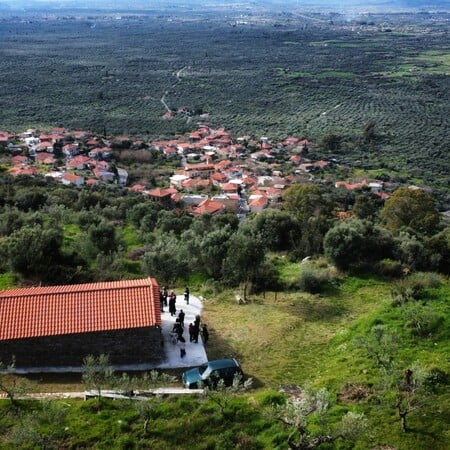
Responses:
[297,338]
[288,335]
[285,339]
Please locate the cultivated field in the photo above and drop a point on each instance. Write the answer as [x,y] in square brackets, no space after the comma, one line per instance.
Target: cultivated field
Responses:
[260,75]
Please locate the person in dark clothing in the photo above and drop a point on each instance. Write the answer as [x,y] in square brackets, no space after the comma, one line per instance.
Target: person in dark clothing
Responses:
[191,332]
[196,328]
[172,303]
[161,301]
[181,317]
[177,328]
[182,345]
[186,295]
[205,334]
[195,335]
[164,294]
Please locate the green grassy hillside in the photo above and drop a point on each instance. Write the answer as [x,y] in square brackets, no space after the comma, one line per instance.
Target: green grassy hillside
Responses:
[282,339]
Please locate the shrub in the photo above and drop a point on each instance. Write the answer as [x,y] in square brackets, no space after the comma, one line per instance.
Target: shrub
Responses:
[403,291]
[313,281]
[271,398]
[435,379]
[428,280]
[422,321]
[389,268]
[357,243]
[413,287]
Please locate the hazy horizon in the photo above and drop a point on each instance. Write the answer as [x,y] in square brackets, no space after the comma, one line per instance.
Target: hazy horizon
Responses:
[150,4]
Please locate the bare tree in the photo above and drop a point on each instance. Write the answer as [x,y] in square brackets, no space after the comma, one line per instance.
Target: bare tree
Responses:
[403,390]
[308,406]
[146,410]
[410,394]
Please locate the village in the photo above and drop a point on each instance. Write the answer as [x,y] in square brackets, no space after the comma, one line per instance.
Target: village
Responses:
[215,173]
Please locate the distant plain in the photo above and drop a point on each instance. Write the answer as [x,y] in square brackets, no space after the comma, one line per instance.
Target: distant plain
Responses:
[256,74]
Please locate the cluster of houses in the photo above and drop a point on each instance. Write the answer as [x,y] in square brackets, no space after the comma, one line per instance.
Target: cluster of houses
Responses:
[217,172]
[72,157]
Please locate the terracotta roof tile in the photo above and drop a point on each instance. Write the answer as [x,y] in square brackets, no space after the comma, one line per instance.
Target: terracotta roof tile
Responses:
[83,308]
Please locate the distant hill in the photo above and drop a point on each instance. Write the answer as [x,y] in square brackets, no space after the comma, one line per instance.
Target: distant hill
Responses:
[192,4]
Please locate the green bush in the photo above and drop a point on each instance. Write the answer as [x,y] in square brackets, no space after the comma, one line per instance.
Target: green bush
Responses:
[271,398]
[422,321]
[427,280]
[313,281]
[389,268]
[435,379]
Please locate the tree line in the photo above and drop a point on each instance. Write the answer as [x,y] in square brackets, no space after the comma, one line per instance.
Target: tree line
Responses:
[55,234]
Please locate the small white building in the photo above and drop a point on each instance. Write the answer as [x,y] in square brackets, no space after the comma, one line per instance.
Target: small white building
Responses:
[177,179]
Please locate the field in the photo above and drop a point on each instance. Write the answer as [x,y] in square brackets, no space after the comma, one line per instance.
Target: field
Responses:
[263,75]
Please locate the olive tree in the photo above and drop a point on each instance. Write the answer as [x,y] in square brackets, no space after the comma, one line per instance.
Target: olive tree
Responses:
[305,415]
[245,256]
[165,259]
[12,385]
[97,373]
[352,244]
[312,212]
[34,250]
[410,208]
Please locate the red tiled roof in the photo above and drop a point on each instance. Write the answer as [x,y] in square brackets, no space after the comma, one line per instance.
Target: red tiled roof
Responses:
[189,183]
[19,159]
[350,186]
[137,187]
[159,192]
[208,206]
[82,308]
[258,202]
[72,177]
[220,177]
[203,183]
[224,164]
[382,195]
[200,166]
[23,170]
[249,181]
[229,187]
[44,156]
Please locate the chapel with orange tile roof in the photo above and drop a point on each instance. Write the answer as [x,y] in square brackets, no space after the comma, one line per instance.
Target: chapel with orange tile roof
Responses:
[51,327]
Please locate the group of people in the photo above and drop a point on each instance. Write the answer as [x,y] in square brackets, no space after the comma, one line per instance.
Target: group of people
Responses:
[170,299]
[195,328]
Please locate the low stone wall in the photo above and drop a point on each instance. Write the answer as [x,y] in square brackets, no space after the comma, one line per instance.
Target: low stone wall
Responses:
[128,346]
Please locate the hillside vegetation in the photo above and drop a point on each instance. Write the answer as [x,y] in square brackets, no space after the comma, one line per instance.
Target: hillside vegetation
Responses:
[354,324]
[283,340]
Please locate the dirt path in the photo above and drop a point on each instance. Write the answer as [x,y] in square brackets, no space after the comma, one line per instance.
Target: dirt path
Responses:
[166,93]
